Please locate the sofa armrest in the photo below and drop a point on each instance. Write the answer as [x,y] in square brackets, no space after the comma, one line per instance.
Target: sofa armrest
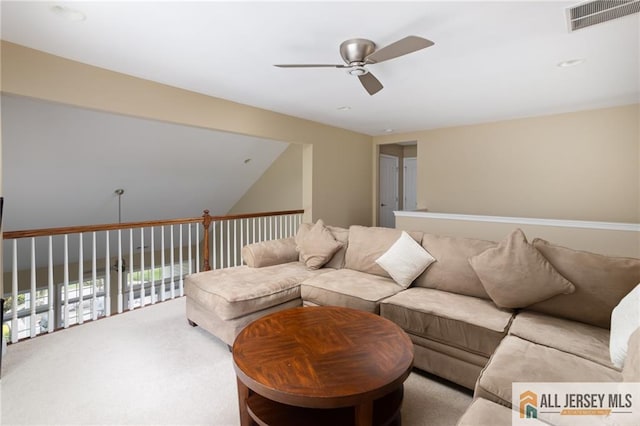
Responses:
[268,253]
[631,370]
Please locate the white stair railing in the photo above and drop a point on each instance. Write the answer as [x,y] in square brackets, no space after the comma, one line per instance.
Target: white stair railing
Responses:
[56,281]
[226,235]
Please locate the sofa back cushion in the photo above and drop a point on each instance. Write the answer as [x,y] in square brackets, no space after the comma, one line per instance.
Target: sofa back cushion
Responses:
[600,283]
[366,244]
[451,271]
[342,236]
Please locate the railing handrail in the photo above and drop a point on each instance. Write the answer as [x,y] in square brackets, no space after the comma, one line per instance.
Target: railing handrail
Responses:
[44,232]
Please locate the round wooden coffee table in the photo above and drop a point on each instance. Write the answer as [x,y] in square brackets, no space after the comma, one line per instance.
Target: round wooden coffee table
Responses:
[321,365]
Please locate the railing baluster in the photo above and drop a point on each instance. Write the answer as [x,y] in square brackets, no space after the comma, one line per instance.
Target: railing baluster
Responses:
[80,306]
[107,276]
[246,222]
[228,243]
[235,242]
[66,280]
[130,273]
[32,292]
[14,293]
[154,296]
[51,320]
[180,244]
[119,263]
[242,222]
[221,244]
[214,253]
[253,240]
[172,266]
[197,249]
[162,265]
[290,225]
[94,278]
[189,258]
[143,297]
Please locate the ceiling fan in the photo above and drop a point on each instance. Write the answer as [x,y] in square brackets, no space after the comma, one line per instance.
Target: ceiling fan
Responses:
[357,53]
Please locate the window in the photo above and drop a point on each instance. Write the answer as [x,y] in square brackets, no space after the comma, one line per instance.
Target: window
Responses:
[82,305]
[24,313]
[138,279]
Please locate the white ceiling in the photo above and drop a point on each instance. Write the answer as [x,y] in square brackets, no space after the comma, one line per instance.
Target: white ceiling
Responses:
[491,60]
[61,166]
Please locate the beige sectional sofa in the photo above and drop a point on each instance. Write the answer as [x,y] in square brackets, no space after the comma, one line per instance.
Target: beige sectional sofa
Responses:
[540,313]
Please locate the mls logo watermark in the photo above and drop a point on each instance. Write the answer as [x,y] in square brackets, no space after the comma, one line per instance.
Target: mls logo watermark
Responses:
[576,403]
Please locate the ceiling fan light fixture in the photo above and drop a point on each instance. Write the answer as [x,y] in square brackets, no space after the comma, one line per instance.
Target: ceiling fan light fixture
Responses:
[358,70]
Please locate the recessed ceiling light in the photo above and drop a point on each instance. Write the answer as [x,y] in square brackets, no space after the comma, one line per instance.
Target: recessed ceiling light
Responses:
[570,63]
[68,13]
[344,108]
[388,130]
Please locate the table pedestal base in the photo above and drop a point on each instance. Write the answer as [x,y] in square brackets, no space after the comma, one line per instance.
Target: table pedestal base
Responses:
[264,412]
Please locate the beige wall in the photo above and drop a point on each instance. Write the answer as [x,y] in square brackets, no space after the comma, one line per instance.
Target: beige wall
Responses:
[610,242]
[31,73]
[582,166]
[279,187]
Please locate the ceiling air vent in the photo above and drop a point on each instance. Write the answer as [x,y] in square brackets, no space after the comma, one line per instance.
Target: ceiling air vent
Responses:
[596,12]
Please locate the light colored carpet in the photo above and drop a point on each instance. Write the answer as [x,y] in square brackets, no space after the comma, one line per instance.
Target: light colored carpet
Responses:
[150,367]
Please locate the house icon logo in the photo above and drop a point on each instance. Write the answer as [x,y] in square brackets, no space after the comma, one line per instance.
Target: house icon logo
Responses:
[529,405]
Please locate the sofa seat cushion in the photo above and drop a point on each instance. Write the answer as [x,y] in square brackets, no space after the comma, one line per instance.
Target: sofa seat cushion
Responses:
[583,340]
[234,292]
[519,360]
[465,322]
[485,413]
[348,288]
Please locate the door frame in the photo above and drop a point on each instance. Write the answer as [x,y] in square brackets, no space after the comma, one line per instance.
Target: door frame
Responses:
[396,187]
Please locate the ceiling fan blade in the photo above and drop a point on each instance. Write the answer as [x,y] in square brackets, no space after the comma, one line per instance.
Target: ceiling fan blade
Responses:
[401,47]
[370,83]
[310,66]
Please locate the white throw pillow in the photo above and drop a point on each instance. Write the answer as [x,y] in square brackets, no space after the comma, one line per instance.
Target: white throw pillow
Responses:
[405,260]
[625,319]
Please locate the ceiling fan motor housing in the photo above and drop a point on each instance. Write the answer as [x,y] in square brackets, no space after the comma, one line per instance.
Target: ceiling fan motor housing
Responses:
[355,50]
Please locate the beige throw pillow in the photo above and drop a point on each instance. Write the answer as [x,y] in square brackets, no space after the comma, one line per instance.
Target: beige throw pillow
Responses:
[341,235]
[405,260]
[318,246]
[516,275]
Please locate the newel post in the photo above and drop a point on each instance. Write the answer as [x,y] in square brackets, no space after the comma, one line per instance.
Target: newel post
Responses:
[206,223]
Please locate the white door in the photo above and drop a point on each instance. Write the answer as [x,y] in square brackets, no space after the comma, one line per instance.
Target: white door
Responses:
[409,184]
[388,190]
